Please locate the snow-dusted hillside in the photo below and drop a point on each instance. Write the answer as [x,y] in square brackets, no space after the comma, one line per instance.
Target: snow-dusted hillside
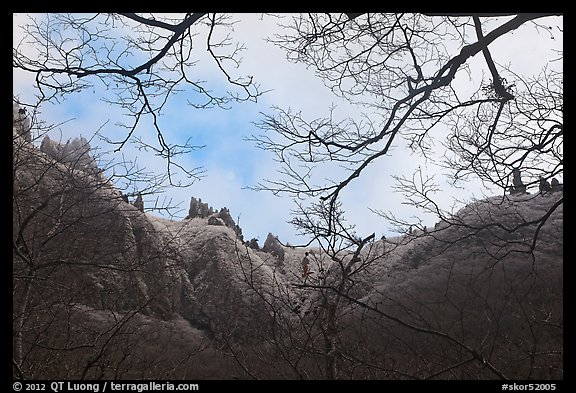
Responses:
[494,228]
[103,289]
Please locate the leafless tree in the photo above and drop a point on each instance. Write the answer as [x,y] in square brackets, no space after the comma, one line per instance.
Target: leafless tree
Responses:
[138,62]
[472,299]
[78,276]
[402,67]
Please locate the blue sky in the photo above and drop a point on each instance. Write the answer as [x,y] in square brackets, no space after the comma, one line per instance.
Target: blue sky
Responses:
[233,164]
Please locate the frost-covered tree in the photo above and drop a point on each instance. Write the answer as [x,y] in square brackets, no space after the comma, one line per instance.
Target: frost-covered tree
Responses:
[403,68]
[79,265]
[407,69]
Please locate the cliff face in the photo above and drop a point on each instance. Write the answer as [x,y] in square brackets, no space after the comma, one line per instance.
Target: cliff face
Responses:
[88,266]
[102,289]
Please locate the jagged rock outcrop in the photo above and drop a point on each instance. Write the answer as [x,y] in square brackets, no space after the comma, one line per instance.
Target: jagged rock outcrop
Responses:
[129,260]
[75,152]
[273,246]
[543,185]
[199,209]
[253,244]
[555,185]
[518,186]
[21,122]
[224,215]
[139,202]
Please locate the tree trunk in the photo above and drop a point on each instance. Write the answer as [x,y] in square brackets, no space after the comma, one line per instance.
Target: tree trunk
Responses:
[20,319]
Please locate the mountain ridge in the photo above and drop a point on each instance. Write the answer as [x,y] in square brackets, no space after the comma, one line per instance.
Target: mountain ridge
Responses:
[103,289]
